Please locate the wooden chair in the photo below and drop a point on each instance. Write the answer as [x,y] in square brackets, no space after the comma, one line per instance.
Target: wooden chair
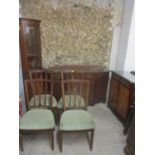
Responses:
[75,117]
[45,74]
[39,116]
[67,75]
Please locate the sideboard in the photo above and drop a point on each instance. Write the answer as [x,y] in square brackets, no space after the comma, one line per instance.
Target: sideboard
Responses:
[97,76]
[121,94]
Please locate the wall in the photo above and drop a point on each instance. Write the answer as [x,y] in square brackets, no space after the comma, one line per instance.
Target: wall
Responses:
[21,87]
[117,26]
[130,56]
[73,32]
[124,35]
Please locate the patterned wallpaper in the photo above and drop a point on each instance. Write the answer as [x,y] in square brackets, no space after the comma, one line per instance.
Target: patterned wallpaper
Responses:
[72,33]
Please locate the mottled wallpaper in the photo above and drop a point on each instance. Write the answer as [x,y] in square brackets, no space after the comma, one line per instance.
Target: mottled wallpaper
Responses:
[78,34]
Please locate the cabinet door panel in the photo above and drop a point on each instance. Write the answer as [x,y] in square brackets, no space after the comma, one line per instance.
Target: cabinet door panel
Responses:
[113,94]
[100,87]
[123,98]
[30,44]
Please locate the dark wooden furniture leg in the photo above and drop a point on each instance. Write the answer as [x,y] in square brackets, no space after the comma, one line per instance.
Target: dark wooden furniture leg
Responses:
[128,122]
[130,146]
[92,139]
[51,138]
[21,141]
[60,137]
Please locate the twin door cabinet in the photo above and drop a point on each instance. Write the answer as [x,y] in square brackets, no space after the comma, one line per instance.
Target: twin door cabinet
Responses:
[30,44]
[96,75]
[121,94]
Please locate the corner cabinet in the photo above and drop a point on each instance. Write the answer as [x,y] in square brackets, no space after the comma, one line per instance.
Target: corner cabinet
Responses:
[30,44]
[121,94]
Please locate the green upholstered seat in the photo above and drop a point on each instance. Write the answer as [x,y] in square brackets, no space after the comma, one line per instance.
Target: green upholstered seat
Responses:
[37,119]
[35,99]
[70,99]
[76,120]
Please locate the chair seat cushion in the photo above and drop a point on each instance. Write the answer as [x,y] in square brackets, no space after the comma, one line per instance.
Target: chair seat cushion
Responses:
[70,100]
[43,99]
[37,119]
[76,120]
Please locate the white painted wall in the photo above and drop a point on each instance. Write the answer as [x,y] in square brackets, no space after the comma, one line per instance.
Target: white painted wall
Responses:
[124,36]
[117,26]
[130,56]
[120,52]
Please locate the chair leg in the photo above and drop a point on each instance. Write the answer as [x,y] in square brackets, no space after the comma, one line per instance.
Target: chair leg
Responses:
[51,138]
[60,139]
[91,140]
[21,141]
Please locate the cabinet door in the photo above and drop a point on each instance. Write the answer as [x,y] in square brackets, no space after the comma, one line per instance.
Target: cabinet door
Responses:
[100,87]
[123,101]
[30,45]
[113,94]
[31,34]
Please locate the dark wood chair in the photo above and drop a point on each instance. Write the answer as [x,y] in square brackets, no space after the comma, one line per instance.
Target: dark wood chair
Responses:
[45,74]
[66,75]
[75,117]
[39,116]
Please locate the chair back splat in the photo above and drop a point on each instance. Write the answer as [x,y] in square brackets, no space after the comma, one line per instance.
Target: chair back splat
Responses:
[39,93]
[75,94]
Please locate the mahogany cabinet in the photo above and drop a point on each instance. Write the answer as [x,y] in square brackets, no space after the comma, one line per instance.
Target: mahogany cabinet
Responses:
[95,74]
[30,44]
[121,94]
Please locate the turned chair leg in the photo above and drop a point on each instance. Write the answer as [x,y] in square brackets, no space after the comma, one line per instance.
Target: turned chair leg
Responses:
[60,139]
[21,141]
[51,138]
[91,139]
